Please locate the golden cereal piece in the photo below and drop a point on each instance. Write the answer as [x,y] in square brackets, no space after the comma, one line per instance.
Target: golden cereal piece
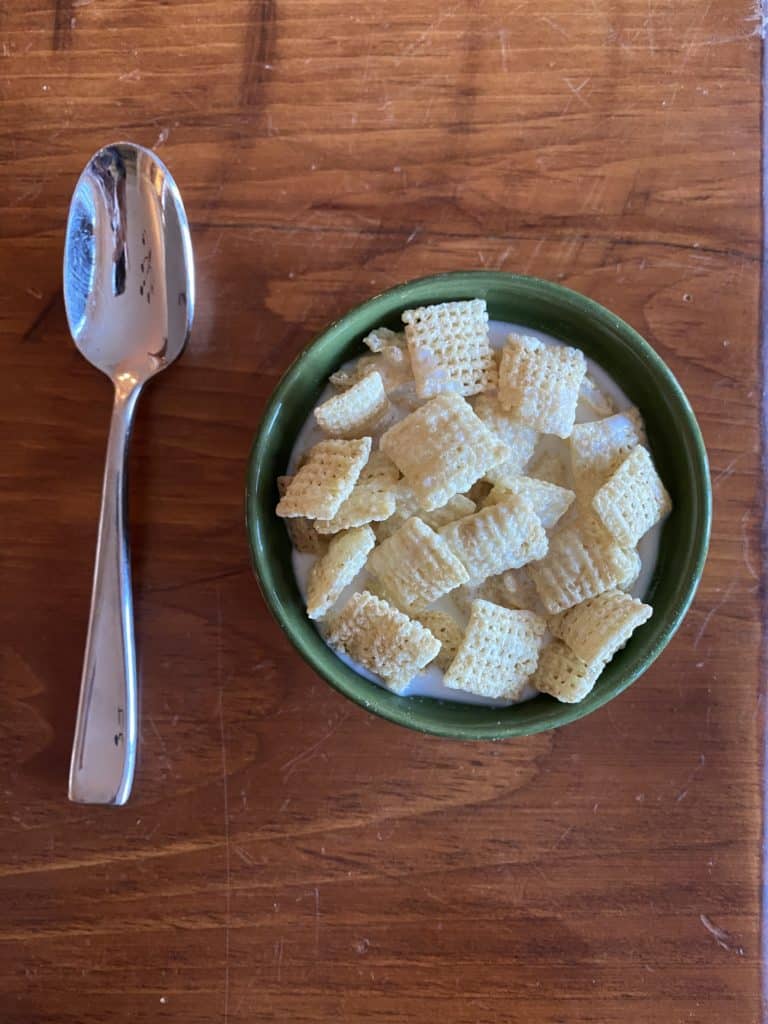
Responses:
[548,501]
[448,632]
[382,639]
[331,573]
[302,532]
[373,498]
[498,652]
[600,626]
[634,499]
[449,348]
[441,449]
[325,479]
[415,566]
[562,674]
[598,448]
[539,384]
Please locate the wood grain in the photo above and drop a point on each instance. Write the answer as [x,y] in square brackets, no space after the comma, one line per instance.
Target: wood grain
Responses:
[286,857]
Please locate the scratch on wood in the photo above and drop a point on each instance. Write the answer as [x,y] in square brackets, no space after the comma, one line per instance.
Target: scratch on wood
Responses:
[711,612]
[745,547]
[723,938]
[32,330]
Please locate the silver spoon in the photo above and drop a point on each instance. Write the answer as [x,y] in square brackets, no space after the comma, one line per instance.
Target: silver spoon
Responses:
[129,291]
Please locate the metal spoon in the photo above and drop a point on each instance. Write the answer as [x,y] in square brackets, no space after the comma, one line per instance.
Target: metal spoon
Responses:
[129,291]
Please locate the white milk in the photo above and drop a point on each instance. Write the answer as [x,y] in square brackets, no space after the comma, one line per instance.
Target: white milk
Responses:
[429,683]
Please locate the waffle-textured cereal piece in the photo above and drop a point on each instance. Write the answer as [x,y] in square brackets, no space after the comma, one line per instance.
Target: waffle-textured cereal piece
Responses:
[498,652]
[583,560]
[441,449]
[333,571]
[551,467]
[547,500]
[325,479]
[600,626]
[595,399]
[599,447]
[634,499]
[415,566]
[449,348]
[634,568]
[455,508]
[563,674]
[520,440]
[357,410]
[382,639]
[302,532]
[373,498]
[540,383]
[448,632]
[500,537]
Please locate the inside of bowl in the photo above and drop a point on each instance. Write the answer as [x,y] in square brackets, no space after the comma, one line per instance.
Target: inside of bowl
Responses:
[673,436]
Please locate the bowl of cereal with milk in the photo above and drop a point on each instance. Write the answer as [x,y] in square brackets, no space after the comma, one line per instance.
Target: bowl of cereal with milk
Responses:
[479,505]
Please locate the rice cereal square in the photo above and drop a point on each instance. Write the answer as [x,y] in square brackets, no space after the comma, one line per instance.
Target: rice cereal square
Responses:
[539,384]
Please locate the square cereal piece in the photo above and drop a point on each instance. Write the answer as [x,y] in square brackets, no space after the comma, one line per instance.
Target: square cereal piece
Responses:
[583,560]
[345,558]
[325,479]
[594,399]
[503,536]
[563,675]
[498,652]
[382,639]
[540,383]
[373,498]
[415,566]
[449,348]
[302,533]
[520,440]
[633,570]
[548,501]
[448,632]
[441,449]
[598,448]
[355,411]
[598,627]
[634,499]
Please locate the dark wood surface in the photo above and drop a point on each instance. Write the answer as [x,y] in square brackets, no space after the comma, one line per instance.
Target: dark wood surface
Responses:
[287,857]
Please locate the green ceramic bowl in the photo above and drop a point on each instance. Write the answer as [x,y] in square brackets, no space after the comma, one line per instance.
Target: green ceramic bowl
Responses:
[673,436]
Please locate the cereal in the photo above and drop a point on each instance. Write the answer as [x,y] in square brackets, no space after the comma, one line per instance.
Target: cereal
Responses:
[583,560]
[563,675]
[449,348]
[520,440]
[442,449]
[383,338]
[355,411]
[548,501]
[448,632]
[456,508]
[373,498]
[325,480]
[346,556]
[302,532]
[633,570]
[498,652]
[595,398]
[540,383]
[415,566]
[634,499]
[503,536]
[598,448]
[598,627]
[519,591]
[382,639]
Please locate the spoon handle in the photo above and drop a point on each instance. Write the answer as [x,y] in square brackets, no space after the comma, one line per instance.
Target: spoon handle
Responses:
[104,748]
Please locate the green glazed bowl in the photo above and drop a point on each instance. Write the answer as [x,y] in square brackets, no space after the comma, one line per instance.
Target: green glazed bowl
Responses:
[673,435]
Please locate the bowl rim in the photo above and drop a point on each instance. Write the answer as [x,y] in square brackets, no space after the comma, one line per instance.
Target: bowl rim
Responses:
[400,711]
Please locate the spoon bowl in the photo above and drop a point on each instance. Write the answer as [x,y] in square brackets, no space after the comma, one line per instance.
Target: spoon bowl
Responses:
[129,294]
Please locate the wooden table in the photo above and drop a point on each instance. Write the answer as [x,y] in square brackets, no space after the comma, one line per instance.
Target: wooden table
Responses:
[286,857]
